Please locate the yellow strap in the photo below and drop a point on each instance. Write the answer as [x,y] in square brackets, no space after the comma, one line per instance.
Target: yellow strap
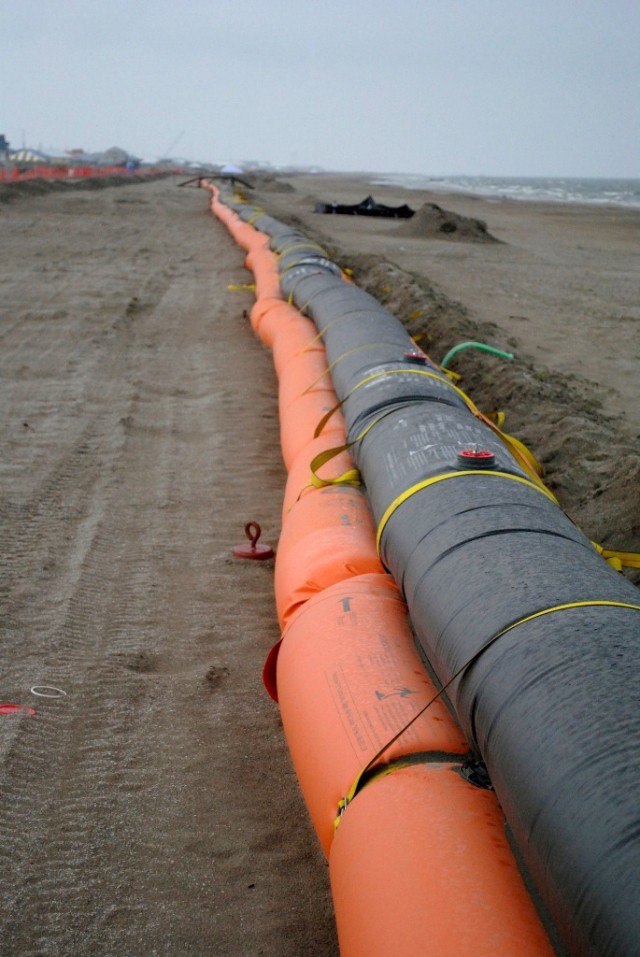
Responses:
[295,265]
[290,249]
[301,310]
[242,287]
[321,331]
[419,486]
[618,560]
[325,418]
[355,787]
[376,375]
[350,477]
[498,418]
[518,449]
[515,446]
[380,772]
[335,362]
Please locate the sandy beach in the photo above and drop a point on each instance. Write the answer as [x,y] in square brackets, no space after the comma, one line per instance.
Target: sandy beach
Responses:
[149,806]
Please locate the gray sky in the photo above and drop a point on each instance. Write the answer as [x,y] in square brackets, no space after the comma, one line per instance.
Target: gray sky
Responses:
[495,87]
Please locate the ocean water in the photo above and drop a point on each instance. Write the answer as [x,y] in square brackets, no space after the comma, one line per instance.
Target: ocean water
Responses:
[611,192]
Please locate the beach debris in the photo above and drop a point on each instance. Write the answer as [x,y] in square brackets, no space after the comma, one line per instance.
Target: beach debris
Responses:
[17,709]
[481,346]
[47,691]
[368,207]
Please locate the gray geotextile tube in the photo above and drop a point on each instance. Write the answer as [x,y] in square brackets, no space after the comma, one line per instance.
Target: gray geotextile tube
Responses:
[537,638]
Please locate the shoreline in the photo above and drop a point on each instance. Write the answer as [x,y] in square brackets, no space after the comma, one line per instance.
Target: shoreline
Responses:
[559,291]
[444,185]
[559,269]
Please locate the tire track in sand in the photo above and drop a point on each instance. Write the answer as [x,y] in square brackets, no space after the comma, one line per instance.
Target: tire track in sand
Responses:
[138,816]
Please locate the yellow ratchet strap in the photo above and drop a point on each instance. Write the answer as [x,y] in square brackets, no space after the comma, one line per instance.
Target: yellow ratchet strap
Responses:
[426,483]
[355,787]
[616,559]
[498,418]
[350,477]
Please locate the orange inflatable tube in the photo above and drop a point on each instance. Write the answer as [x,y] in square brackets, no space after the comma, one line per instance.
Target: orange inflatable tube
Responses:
[271,316]
[348,678]
[303,374]
[327,537]
[420,865]
[293,339]
[262,264]
[261,315]
[298,422]
[242,233]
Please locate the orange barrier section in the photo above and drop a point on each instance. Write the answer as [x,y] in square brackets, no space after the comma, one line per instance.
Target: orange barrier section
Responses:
[298,423]
[348,678]
[262,316]
[292,339]
[420,865]
[326,538]
[299,479]
[262,264]
[303,374]
[271,316]
[259,259]
[13,174]
[242,233]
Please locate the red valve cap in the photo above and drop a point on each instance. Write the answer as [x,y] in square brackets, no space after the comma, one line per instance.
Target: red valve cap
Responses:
[476,459]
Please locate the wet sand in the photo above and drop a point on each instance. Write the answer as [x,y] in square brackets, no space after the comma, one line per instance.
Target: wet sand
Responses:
[152,808]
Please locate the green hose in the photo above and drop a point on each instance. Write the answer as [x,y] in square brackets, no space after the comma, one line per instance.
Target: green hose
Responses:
[474,345]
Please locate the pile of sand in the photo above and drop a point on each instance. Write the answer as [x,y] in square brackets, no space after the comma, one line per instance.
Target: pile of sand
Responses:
[272,184]
[433,222]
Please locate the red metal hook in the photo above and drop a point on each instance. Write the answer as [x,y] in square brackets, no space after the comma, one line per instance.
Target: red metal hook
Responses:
[253,550]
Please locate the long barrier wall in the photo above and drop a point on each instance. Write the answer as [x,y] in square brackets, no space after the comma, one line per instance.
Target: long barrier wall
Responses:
[532,635]
[14,174]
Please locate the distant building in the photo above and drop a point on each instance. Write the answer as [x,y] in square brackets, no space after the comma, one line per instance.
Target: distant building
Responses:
[28,156]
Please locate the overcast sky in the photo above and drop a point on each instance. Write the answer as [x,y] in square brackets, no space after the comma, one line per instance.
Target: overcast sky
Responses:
[495,87]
